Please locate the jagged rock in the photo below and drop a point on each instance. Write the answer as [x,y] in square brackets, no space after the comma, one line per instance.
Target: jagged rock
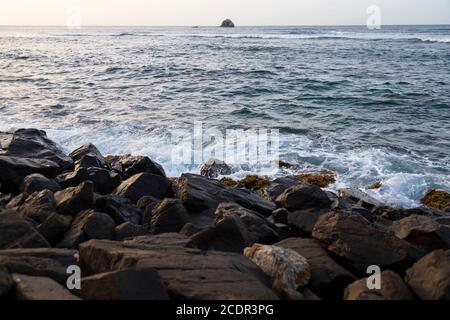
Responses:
[40,288]
[17,201]
[214,168]
[227,24]
[302,222]
[88,156]
[120,209]
[144,184]
[199,194]
[32,143]
[104,181]
[169,216]
[189,274]
[16,232]
[37,182]
[129,165]
[73,178]
[73,200]
[360,244]
[6,282]
[328,278]
[147,204]
[429,278]
[277,187]
[51,263]
[392,288]
[144,284]
[13,170]
[75,235]
[304,196]
[55,227]
[99,226]
[289,269]
[439,199]
[423,231]
[39,206]
[128,230]
[362,199]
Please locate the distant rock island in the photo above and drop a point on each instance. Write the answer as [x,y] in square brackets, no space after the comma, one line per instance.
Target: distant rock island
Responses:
[227,24]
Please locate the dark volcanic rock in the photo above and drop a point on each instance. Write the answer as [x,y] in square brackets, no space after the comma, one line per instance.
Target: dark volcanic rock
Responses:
[75,235]
[169,216]
[73,200]
[129,165]
[144,284]
[55,227]
[32,143]
[39,206]
[144,184]
[429,278]
[13,170]
[88,156]
[40,288]
[302,222]
[37,182]
[6,282]
[328,278]
[104,181]
[277,187]
[214,168]
[120,209]
[129,230]
[99,226]
[227,24]
[16,232]
[52,263]
[304,196]
[392,288]
[199,194]
[360,244]
[189,274]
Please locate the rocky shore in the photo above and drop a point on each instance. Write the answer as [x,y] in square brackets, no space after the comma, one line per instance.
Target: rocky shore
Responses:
[137,234]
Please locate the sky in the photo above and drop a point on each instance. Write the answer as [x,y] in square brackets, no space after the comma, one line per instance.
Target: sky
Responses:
[212,12]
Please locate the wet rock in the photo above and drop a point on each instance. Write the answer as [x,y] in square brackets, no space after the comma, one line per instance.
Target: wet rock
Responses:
[55,227]
[51,263]
[328,278]
[376,185]
[429,278]
[16,232]
[214,168]
[129,230]
[39,206]
[189,274]
[277,187]
[40,288]
[320,179]
[392,288]
[360,198]
[227,24]
[253,182]
[13,170]
[73,200]
[144,184]
[199,194]
[88,156]
[99,226]
[120,209]
[423,231]
[37,182]
[169,216]
[303,196]
[360,244]
[302,222]
[439,199]
[144,284]
[6,283]
[32,143]
[129,165]
[289,269]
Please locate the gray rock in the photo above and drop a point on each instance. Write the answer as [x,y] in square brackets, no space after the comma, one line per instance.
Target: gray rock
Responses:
[39,206]
[304,196]
[214,168]
[169,216]
[277,187]
[75,235]
[37,182]
[227,24]
[99,226]
[55,227]
[104,181]
[129,165]
[302,222]
[88,156]
[144,184]
[73,200]
[40,288]
[120,209]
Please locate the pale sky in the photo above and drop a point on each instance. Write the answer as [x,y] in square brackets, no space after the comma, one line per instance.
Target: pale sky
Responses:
[212,12]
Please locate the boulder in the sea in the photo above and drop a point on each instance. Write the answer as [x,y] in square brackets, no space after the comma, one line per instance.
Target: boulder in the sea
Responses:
[88,156]
[289,269]
[227,23]
[40,288]
[304,196]
[37,182]
[73,200]
[429,278]
[439,199]
[214,168]
[360,198]
[144,184]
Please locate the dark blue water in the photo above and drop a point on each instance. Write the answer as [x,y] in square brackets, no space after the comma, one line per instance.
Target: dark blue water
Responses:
[369,105]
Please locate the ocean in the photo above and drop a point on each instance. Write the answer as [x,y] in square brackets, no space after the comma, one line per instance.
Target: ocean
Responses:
[370,105]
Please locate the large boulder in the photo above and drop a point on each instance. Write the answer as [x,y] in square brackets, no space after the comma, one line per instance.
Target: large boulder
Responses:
[169,216]
[39,206]
[214,168]
[302,222]
[120,209]
[361,198]
[37,182]
[32,143]
[55,227]
[51,263]
[361,244]
[130,284]
[75,235]
[73,200]
[328,278]
[88,156]
[429,278]
[277,187]
[199,194]
[104,181]
[99,226]
[392,288]
[128,165]
[144,184]
[189,274]
[227,23]
[288,269]
[40,288]
[303,196]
